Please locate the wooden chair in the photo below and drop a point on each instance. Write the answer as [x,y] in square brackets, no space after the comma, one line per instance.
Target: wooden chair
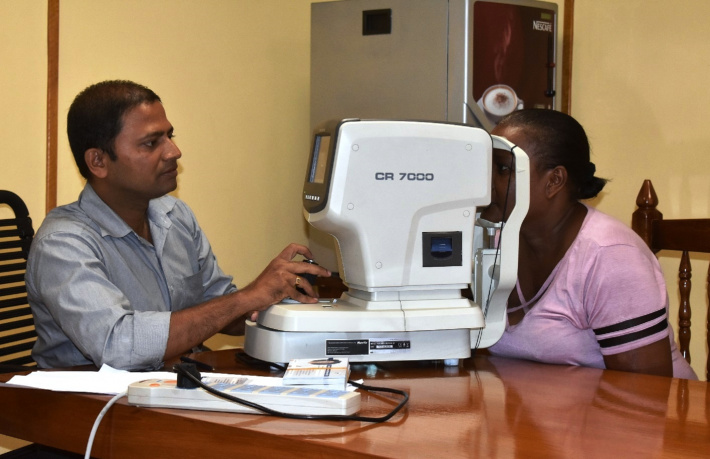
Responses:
[17,332]
[684,235]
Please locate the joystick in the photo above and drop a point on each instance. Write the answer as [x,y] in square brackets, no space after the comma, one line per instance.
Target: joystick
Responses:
[311,278]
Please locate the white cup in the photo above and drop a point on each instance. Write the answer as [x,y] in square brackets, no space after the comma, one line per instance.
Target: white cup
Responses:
[499,100]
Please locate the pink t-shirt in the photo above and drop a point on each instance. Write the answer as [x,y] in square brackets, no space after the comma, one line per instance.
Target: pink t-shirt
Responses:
[606,296]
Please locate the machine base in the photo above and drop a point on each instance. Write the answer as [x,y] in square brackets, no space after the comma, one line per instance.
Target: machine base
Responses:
[280,346]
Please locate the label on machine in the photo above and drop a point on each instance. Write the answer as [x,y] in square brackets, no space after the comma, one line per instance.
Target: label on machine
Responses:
[366,346]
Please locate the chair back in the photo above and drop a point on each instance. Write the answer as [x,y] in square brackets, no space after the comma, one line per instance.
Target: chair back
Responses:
[17,331]
[682,235]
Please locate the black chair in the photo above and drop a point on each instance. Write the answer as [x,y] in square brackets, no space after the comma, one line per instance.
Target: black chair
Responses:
[17,332]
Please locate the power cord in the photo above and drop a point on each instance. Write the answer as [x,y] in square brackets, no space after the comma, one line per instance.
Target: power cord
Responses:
[189,372]
[98,421]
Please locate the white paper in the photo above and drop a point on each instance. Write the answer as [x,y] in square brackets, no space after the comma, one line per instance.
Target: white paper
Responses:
[107,380]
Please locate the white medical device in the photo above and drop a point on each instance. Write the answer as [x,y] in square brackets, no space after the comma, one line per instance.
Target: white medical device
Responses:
[400,199]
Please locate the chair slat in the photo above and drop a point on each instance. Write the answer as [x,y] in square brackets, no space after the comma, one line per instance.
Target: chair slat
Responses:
[11,279]
[11,256]
[10,231]
[17,348]
[16,290]
[10,267]
[685,273]
[30,334]
[16,324]
[11,365]
[10,244]
[690,235]
[11,302]
[13,314]
[20,229]
[8,222]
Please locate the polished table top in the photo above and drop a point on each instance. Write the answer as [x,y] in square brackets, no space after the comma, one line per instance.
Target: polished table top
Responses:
[485,407]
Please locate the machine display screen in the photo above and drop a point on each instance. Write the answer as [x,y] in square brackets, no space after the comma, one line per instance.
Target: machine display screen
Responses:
[319,160]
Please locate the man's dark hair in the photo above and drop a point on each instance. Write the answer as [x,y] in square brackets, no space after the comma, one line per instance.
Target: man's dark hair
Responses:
[95,117]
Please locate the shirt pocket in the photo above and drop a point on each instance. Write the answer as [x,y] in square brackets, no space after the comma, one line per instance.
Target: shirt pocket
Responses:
[187,292]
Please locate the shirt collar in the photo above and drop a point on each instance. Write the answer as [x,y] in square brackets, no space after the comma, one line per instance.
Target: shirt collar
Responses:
[113,225]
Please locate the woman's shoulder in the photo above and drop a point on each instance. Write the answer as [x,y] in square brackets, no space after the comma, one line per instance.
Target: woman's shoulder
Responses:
[605,240]
[605,230]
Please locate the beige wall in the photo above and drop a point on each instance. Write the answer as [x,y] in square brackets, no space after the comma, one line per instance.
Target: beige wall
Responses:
[234,77]
[23,79]
[640,88]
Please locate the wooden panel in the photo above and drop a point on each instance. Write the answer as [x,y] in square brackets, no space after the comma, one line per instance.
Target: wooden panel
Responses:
[692,235]
[52,102]
[567,42]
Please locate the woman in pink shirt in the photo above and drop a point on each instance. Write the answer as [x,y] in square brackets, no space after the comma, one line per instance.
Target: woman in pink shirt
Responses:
[589,290]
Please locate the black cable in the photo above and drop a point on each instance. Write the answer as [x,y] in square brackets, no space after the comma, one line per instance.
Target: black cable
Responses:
[258,363]
[321,417]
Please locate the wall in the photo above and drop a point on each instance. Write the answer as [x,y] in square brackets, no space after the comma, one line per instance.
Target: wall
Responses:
[22,111]
[23,79]
[640,79]
[234,78]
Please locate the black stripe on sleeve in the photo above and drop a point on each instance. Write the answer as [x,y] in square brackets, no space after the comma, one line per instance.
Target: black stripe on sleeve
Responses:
[618,340]
[630,323]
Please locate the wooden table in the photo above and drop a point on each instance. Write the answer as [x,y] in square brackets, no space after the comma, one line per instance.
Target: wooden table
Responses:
[486,407]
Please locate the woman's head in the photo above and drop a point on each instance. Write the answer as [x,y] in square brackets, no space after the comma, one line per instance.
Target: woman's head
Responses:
[552,139]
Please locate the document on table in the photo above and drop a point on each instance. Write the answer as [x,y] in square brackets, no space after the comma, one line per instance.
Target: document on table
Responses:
[107,380]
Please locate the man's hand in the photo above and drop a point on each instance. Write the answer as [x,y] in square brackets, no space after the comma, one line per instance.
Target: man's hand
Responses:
[191,326]
[281,279]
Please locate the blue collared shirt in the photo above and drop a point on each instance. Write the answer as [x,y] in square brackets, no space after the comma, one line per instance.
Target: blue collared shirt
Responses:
[102,294]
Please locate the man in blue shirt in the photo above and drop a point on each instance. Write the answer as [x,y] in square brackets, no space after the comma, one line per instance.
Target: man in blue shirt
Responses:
[125,276]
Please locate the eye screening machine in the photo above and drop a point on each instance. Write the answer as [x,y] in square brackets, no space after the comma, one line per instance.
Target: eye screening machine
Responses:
[400,199]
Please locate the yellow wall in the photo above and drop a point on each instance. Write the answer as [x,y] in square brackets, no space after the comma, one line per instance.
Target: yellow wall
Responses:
[23,79]
[640,88]
[234,78]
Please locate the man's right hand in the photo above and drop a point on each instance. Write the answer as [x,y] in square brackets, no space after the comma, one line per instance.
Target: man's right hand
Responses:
[281,279]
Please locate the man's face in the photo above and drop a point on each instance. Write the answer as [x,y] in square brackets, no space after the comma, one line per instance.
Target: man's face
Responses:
[146,156]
